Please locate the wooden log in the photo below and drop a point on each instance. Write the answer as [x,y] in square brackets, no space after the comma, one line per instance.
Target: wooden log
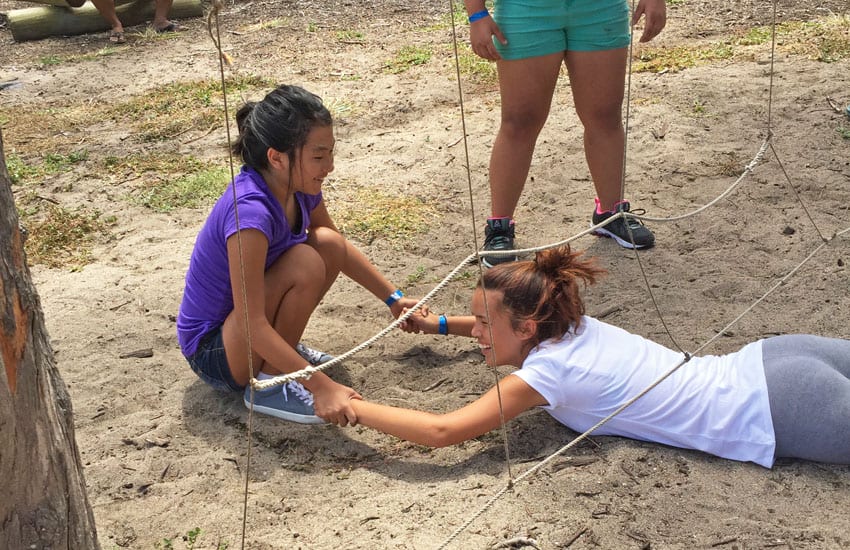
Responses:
[44,21]
[71,3]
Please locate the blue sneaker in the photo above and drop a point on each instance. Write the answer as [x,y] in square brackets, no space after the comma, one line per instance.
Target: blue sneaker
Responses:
[312,356]
[292,402]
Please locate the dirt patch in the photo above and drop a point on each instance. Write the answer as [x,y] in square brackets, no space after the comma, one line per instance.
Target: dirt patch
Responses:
[164,454]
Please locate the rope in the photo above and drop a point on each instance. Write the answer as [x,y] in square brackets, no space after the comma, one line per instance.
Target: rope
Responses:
[310,370]
[473,218]
[212,22]
[223,58]
[628,102]
[687,357]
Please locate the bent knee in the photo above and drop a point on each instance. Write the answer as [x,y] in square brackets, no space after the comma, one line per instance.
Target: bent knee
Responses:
[300,266]
[330,245]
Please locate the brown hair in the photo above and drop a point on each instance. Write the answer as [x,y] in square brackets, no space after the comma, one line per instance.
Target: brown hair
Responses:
[544,290]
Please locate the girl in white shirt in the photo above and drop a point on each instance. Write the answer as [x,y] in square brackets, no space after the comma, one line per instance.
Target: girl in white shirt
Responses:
[786,396]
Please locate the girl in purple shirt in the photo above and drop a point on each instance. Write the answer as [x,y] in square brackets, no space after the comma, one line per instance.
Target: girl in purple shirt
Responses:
[266,256]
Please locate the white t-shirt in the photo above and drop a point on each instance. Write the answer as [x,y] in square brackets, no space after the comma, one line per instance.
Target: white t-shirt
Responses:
[716,404]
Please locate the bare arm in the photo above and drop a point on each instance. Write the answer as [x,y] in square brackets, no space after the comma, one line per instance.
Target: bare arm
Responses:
[358,267]
[440,430]
[331,400]
[482,31]
[429,323]
[656,18]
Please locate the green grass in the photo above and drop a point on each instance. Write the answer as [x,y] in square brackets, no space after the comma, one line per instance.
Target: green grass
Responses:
[475,68]
[19,170]
[192,190]
[825,39]
[417,276]
[190,540]
[23,172]
[170,181]
[350,36]
[138,165]
[53,59]
[172,109]
[407,57]
[843,132]
[677,58]
[372,215]
[58,236]
[50,60]
[698,107]
[339,107]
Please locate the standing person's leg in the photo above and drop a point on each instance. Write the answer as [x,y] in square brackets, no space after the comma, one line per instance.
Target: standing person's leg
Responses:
[808,386]
[526,87]
[596,59]
[161,23]
[528,71]
[106,8]
[597,80]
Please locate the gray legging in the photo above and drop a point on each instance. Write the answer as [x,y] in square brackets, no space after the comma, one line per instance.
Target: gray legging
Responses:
[808,386]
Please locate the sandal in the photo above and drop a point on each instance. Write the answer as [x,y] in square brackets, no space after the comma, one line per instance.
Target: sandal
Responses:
[171,27]
[117,37]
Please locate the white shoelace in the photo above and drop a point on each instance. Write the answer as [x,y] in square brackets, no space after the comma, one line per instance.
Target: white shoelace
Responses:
[314,357]
[299,391]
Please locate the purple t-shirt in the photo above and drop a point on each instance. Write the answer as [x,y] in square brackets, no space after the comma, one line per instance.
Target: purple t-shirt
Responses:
[207,296]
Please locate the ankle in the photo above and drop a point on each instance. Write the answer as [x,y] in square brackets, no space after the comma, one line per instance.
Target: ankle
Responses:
[600,209]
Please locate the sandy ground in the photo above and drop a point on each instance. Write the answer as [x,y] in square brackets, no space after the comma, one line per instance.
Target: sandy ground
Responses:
[165,455]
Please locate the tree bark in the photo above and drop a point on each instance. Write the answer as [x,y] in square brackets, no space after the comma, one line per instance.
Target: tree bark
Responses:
[44,21]
[44,502]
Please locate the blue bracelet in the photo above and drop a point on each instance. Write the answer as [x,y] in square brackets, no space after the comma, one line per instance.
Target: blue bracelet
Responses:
[394,297]
[479,15]
[444,325]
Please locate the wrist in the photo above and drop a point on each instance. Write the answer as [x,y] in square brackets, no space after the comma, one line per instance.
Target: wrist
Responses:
[394,297]
[481,14]
[443,327]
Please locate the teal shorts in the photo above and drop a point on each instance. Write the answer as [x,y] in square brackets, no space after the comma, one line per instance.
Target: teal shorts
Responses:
[541,27]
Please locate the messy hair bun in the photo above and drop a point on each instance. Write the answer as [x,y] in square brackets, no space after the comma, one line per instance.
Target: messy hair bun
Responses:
[545,290]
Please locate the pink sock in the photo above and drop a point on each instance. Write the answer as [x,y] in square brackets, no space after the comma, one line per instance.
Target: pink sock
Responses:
[599,206]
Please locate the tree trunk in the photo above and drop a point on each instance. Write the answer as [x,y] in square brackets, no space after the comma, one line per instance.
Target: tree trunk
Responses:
[43,503]
[44,21]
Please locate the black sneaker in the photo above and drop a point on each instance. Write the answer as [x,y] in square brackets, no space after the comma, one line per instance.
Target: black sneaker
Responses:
[619,229]
[498,236]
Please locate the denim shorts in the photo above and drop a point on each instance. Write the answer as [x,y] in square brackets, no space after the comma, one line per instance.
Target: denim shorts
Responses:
[210,363]
[541,27]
